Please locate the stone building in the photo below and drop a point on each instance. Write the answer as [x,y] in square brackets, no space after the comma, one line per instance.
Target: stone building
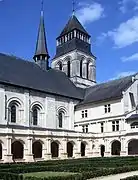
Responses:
[60,112]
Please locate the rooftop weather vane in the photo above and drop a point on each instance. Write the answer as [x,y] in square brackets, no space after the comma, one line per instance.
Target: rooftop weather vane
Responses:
[73,7]
[42,7]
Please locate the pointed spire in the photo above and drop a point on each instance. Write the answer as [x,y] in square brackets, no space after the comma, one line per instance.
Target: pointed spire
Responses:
[41,46]
[72,24]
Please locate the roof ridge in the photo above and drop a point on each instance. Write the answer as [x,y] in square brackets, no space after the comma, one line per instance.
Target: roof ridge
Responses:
[110,81]
[16,57]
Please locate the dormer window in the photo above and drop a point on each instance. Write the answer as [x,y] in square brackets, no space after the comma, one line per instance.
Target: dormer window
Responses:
[107,108]
[84,114]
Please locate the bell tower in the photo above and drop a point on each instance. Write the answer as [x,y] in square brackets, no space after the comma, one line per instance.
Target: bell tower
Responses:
[73,54]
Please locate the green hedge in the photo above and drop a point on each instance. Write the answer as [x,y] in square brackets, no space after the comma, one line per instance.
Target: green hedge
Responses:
[86,175]
[81,164]
[89,168]
[131,178]
[106,172]
[10,176]
[73,165]
[69,177]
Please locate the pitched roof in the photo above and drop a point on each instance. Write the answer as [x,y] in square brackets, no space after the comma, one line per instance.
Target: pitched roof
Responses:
[72,24]
[133,117]
[41,46]
[106,91]
[29,75]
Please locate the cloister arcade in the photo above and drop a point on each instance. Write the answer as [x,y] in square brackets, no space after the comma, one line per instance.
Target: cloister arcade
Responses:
[38,150]
[18,149]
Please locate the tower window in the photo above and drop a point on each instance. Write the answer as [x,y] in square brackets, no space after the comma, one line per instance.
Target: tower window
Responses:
[81,68]
[68,68]
[87,70]
[60,66]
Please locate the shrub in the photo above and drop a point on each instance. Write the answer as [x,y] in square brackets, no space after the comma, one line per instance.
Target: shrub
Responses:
[10,176]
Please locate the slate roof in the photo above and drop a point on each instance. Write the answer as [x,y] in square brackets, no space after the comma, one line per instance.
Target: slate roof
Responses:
[29,75]
[41,46]
[72,24]
[106,91]
[133,117]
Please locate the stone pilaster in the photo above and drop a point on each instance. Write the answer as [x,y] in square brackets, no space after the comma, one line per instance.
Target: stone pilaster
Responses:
[123,148]
[89,150]
[78,149]
[8,155]
[47,156]
[29,155]
[107,152]
[64,154]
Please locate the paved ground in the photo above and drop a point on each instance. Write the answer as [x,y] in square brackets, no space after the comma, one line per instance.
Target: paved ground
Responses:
[117,176]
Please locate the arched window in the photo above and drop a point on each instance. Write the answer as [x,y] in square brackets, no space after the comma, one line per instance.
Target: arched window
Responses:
[13,113]
[35,116]
[87,70]
[60,119]
[60,66]
[81,68]
[68,68]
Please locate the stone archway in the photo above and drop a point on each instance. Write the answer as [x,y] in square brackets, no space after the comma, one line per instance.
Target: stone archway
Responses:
[70,149]
[116,148]
[102,150]
[133,147]
[17,150]
[37,149]
[83,147]
[54,149]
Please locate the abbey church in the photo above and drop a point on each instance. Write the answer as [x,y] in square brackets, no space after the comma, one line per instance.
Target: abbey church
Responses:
[60,112]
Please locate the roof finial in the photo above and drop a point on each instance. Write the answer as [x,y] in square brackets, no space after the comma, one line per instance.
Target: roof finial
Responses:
[73,7]
[42,7]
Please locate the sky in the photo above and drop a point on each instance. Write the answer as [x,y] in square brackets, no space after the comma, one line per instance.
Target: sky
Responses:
[112,24]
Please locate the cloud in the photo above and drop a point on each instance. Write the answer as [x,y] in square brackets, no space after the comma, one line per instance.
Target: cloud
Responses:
[123,74]
[89,12]
[131,58]
[126,34]
[126,5]
[101,38]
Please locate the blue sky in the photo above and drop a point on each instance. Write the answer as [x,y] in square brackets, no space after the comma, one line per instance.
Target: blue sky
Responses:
[113,25]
